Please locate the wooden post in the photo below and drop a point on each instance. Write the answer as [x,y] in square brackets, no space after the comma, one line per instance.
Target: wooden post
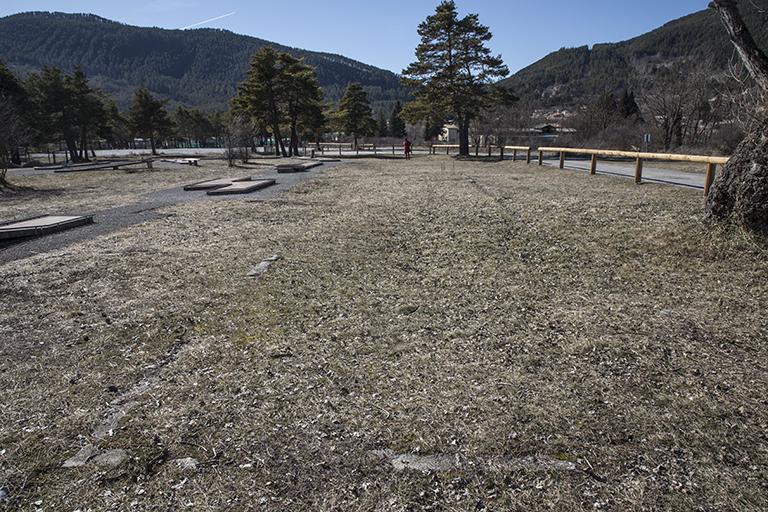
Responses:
[501,153]
[593,164]
[447,149]
[541,157]
[489,150]
[562,159]
[514,155]
[639,171]
[528,156]
[711,169]
[339,149]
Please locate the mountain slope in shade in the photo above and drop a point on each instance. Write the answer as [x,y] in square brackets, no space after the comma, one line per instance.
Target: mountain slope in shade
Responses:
[571,76]
[200,68]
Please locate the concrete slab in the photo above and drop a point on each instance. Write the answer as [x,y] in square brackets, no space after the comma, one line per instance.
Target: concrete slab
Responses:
[302,167]
[217,183]
[242,187]
[42,225]
[104,166]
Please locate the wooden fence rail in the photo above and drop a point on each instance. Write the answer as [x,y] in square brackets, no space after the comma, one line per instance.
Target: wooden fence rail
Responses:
[515,149]
[711,161]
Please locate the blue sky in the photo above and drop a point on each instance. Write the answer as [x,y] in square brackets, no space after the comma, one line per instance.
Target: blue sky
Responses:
[384,33]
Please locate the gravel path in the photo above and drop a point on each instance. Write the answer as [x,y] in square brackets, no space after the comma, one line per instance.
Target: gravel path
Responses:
[112,219]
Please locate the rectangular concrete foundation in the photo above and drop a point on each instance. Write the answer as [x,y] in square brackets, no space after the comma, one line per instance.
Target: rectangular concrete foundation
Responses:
[242,187]
[42,225]
[218,183]
[302,167]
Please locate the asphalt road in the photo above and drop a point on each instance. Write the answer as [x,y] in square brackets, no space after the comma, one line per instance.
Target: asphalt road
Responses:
[652,172]
[113,219]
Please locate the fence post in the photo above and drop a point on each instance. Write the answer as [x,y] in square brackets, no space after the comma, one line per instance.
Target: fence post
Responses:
[501,153]
[489,150]
[447,149]
[528,156]
[339,149]
[514,155]
[541,157]
[711,169]
[639,171]
[593,164]
[562,159]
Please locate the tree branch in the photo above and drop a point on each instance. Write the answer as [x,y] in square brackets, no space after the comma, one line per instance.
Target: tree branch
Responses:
[754,59]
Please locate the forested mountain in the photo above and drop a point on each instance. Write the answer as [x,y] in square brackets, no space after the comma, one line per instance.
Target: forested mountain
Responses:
[199,68]
[572,76]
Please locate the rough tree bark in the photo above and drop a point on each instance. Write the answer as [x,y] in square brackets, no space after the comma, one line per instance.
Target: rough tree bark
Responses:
[463,135]
[740,192]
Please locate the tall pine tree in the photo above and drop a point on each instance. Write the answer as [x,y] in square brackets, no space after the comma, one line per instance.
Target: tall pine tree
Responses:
[354,114]
[454,70]
[148,117]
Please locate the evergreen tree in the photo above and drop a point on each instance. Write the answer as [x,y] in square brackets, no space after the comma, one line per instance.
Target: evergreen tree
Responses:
[261,95]
[628,105]
[115,130]
[280,90]
[88,112]
[148,117]
[353,116]
[454,70]
[382,130]
[302,94]
[13,130]
[54,110]
[396,123]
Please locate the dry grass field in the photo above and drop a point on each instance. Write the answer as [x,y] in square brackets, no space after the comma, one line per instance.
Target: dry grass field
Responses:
[437,335]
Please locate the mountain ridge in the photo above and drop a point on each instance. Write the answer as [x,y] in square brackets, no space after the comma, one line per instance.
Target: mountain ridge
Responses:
[572,76]
[196,67]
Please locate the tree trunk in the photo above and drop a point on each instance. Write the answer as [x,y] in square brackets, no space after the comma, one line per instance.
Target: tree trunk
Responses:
[740,192]
[463,136]
[753,58]
[152,144]
[294,139]
[72,149]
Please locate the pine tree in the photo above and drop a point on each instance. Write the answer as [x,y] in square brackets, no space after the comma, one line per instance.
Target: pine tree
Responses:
[454,70]
[382,130]
[279,90]
[303,96]
[353,116]
[148,117]
[628,105]
[88,112]
[54,110]
[396,123]
[260,96]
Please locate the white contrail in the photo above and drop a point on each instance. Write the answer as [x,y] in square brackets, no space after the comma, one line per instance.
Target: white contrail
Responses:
[208,21]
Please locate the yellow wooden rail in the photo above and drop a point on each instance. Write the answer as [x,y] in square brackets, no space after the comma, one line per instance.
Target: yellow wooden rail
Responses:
[711,161]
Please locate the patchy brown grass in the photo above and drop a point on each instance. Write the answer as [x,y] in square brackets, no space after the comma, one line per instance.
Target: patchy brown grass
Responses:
[568,342]
[89,191]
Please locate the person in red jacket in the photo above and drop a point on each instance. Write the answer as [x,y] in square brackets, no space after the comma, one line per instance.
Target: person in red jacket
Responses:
[407,148]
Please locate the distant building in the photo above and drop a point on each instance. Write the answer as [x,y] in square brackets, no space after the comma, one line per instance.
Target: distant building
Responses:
[450,134]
